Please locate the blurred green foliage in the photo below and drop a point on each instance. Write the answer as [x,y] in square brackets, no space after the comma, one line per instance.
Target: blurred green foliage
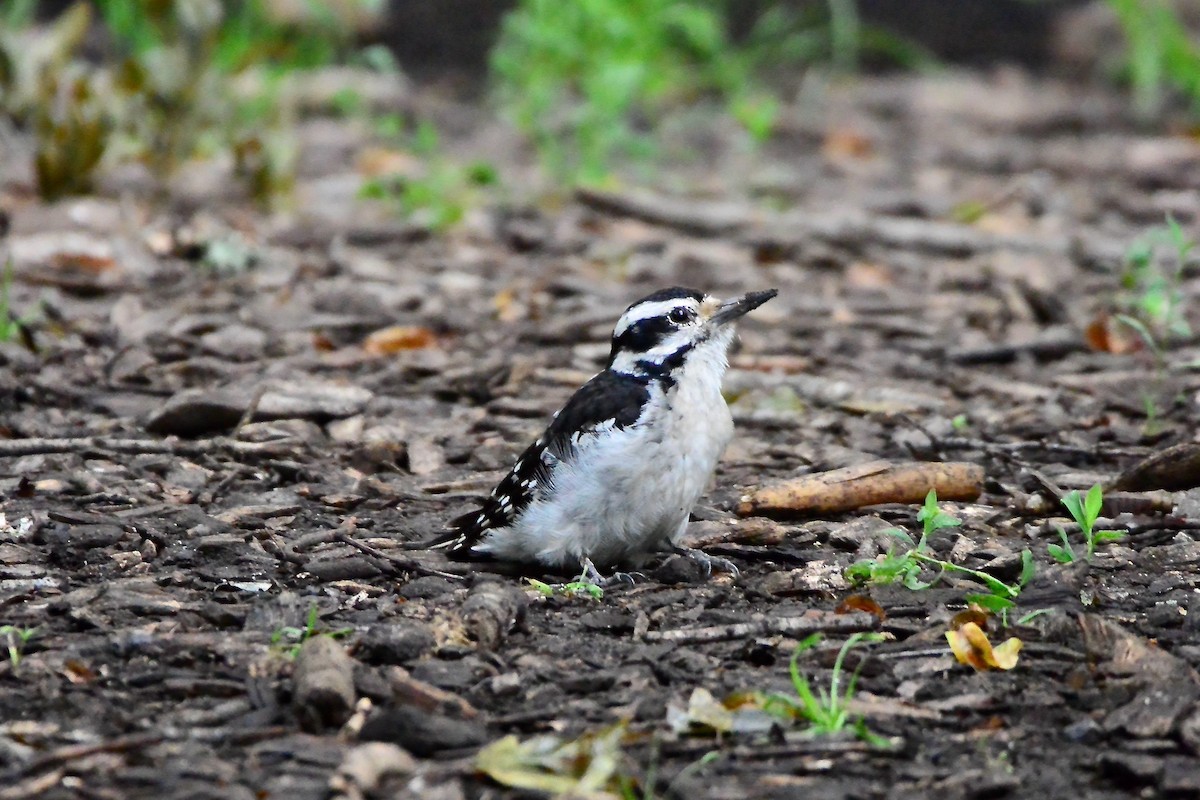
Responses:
[237,34]
[587,80]
[1162,54]
[182,79]
[591,81]
[439,191]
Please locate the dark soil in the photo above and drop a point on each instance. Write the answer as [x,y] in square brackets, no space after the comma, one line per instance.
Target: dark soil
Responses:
[203,449]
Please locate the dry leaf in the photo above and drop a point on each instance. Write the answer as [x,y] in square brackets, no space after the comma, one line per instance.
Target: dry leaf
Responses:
[860,602]
[704,712]
[971,646]
[77,672]
[398,338]
[847,143]
[506,305]
[868,275]
[973,613]
[377,162]
[1108,335]
[82,262]
[582,768]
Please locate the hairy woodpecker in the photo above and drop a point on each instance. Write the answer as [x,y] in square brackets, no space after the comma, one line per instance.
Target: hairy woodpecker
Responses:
[617,472]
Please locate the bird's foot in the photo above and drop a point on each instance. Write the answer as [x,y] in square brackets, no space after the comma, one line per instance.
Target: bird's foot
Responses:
[707,562]
[592,574]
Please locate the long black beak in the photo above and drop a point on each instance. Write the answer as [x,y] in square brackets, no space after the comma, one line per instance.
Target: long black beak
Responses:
[740,306]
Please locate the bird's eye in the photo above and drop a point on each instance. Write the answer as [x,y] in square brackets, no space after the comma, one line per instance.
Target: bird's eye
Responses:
[680,316]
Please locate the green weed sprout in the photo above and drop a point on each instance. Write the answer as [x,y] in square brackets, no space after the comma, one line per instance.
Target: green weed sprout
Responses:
[296,637]
[1161,52]
[584,80]
[1154,296]
[826,711]
[1152,300]
[15,640]
[629,786]
[575,588]
[905,567]
[1085,511]
[11,325]
[440,195]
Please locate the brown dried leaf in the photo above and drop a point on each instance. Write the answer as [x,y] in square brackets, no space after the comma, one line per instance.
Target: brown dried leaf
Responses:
[860,602]
[1108,335]
[77,672]
[847,143]
[972,614]
[82,262]
[378,162]
[398,338]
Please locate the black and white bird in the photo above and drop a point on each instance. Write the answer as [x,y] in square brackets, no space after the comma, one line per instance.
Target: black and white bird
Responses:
[618,471]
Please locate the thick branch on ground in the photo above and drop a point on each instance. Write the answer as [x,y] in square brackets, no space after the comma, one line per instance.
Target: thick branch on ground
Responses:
[813,622]
[864,485]
[1174,469]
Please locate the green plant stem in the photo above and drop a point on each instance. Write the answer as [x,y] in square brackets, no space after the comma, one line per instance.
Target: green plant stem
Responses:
[844,35]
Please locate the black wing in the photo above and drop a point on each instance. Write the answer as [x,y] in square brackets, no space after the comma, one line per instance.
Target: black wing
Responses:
[609,400]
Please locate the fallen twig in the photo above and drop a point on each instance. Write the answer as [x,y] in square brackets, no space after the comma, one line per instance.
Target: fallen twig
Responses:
[864,485]
[814,622]
[1098,452]
[1175,468]
[10,448]
[395,562]
[74,752]
[794,232]
[690,216]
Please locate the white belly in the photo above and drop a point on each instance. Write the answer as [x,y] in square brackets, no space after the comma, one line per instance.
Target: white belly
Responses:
[628,492]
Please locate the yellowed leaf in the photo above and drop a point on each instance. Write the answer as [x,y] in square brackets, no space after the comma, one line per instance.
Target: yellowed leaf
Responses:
[511,762]
[377,162]
[583,768]
[397,338]
[506,305]
[970,646]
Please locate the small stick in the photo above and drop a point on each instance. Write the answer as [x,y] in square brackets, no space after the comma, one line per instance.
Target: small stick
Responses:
[73,752]
[10,448]
[407,564]
[251,410]
[1098,452]
[786,626]
[864,485]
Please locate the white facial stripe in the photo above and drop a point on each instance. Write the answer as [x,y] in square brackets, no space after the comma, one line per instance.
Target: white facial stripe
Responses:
[668,346]
[628,362]
[658,308]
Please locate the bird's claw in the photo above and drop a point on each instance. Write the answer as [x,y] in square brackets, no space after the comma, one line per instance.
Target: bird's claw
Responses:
[707,562]
[592,574]
[629,578]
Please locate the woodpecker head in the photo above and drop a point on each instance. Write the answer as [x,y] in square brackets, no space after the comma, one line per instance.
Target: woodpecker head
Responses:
[665,331]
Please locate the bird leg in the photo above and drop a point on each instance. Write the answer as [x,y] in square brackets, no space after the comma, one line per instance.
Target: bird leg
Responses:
[592,574]
[707,562]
